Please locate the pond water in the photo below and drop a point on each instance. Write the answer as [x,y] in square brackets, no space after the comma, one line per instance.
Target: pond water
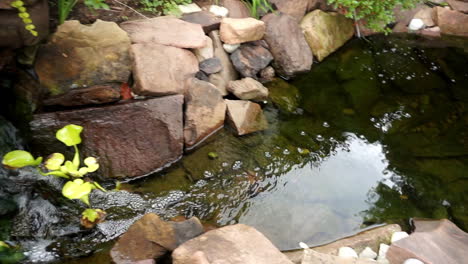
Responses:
[376,133]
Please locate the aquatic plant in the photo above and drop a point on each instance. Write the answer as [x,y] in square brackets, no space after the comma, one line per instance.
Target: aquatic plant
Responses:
[25,17]
[377,13]
[56,165]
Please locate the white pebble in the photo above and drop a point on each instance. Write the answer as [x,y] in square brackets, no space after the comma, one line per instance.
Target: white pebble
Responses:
[303,245]
[368,253]
[416,24]
[399,235]
[383,252]
[413,261]
[230,48]
[189,8]
[219,10]
[347,252]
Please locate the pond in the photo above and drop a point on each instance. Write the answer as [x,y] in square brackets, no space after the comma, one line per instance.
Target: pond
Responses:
[376,133]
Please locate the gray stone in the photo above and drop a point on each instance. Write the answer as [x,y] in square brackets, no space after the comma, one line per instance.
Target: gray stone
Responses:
[290,50]
[207,20]
[166,30]
[228,73]
[250,59]
[236,244]
[161,70]
[211,66]
[130,140]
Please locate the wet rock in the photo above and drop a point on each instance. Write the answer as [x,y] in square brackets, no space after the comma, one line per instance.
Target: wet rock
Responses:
[284,95]
[433,32]
[239,244]
[267,74]
[451,22]
[130,140]
[205,112]
[205,52]
[207,20]
[250,59]
[151,237]
[161,70]
[97,94]
[287,44]
[326,32]
[461,6]
[165,30]
[241,30]
[434,241]
[237,9]
[80,55]
[245,117]
[228,73]
[211,66]
[248,89]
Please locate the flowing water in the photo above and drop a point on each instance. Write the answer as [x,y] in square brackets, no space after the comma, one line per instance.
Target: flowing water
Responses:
[376,133]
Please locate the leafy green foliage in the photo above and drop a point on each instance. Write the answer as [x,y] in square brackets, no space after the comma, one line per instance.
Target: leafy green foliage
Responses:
[69,135]
[377,13]
[20,158]
[9,254]
[24,15]
[166,7]
[96,4]
[91,214]
[64,9]
[78,189]
[255,6]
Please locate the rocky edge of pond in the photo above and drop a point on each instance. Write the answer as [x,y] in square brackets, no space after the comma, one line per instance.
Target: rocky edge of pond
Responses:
[215,60]
[150,238]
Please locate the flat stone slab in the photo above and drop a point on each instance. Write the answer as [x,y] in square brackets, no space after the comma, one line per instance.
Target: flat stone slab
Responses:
[131,139]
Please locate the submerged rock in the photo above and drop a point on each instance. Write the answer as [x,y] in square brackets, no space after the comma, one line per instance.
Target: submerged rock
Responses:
[150,238]
[97,94]
[245,117]
[239,244]
[287,44]
[80,55]
[165,30]
[284,95]
[326,32]
[130,140]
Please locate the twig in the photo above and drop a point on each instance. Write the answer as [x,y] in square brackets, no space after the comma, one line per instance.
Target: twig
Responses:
[131,9]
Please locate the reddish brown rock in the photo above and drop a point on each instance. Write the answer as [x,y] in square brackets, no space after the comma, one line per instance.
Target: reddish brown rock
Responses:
[161,70]
[98,94]
[425,14]
[228,73]
[267,74]
[150,238]
[290,50]
[205,111]
[451,22]
[459,5]
[250,59]
[211,66]
[235,244]
[241,30]
[237,9]
[298,8]
[206,19]
[84,55]
[434,241]
[130,140]
[165,30]
[245,117]
[248,89]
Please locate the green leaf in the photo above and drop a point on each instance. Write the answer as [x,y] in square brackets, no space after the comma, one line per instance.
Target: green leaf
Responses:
[20,158]
[70,135]
[54,161]
[91,163]
[90,214]
[78,189]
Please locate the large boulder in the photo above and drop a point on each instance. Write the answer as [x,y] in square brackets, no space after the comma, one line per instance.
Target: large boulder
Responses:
[166,30]
[245,117]
[248,89]
[298,8]
[250,59]
[236,244]
[206,19]
[204,113]
[130,140]
[461,6]
[82,56]
[326,32]
[228,73]
[151,237]
[161,70]
[436,241]
[287,44]
[240,30]
[451,22]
